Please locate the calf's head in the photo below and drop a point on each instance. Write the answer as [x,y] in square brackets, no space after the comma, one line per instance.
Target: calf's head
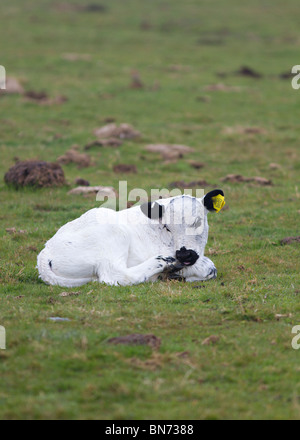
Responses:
[185,219]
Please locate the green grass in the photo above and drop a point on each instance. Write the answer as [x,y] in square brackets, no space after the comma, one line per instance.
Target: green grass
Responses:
[68,370]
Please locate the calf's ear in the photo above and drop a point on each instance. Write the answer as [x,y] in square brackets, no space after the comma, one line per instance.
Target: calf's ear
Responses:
[153,210]
[214,200]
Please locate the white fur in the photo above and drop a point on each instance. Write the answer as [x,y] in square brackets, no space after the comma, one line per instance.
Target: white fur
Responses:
[126,247]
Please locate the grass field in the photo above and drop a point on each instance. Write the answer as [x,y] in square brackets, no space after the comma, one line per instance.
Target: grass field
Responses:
[67,370]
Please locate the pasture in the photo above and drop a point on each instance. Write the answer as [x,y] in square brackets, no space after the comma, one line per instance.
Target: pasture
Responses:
[211,76]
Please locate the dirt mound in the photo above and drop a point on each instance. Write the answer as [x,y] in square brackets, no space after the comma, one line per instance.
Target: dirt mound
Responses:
[123,131]
[238,178]
[109,142]
[81,182]
[124,168]
[137,339]
[243,130]
[197,165]
[13,86]
[35,173]
[248,71]
[220,87]
[36,96]
[289,240]
[136,82]
[169,151]
[73,156]
[42,98]
[70,56]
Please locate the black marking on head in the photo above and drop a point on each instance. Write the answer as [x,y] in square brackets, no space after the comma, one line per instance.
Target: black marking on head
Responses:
[50,264]
[208,203]
[153,210]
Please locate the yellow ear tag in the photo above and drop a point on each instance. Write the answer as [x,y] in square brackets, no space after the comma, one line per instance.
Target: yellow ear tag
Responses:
[218,202]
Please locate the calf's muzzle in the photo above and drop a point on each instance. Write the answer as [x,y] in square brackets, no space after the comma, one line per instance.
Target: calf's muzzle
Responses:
[187,257]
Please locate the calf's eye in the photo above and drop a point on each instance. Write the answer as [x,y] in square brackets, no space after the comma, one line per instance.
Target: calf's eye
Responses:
[166,227]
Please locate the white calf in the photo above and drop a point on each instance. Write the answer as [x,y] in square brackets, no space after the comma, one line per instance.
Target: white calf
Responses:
[134,245]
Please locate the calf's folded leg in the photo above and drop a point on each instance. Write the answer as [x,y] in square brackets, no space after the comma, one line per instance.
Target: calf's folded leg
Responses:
[114,274]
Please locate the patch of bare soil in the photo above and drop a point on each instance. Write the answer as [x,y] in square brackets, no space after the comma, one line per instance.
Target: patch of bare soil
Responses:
[123,168]
[76,57]
[248,71]
[238,178]
[145,25]
[286,75]
[289,240]
[123,131]
[109,119]
[244,130]
[196,165]
[13,87]
[211,40]
[220,87]
[69,7]
[42,98]
[82,160]
[36,96]
[170,152]
[137,339]
[94,7]
[178,68]
[35,173]
[109,142]
[136,82]
[274,166]
[81,182]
